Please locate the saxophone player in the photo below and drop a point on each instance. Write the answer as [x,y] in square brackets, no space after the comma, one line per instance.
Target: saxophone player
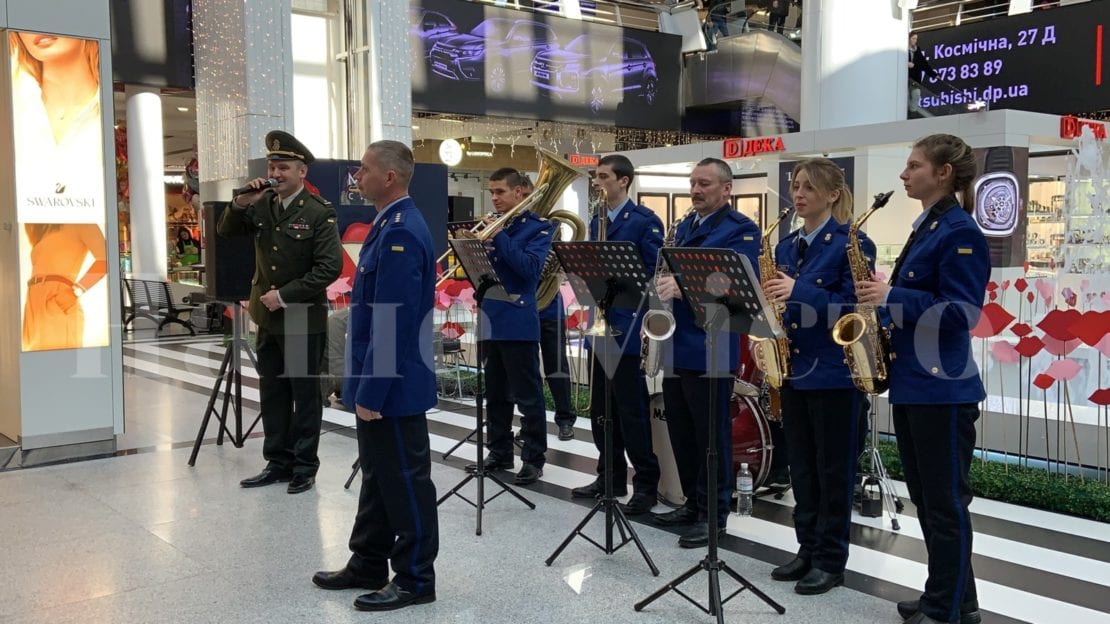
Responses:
[821,407]
[623,220]
[511,333]
[713,223]
[935,389]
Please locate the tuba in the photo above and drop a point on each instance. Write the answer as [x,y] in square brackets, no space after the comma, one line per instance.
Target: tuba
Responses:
[866,343]
[772,355]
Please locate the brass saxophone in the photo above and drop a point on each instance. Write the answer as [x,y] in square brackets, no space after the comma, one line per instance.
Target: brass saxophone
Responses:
[772,355]
[659,323]
[866,343]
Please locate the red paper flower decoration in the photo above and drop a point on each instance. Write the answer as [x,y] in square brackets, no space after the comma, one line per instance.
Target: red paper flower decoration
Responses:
[1057,323]
[1021,329]
[1091,326]
[992,321]
[1100,397]
[1020,284]
[1029,346]
[1063,369]
[1043,381]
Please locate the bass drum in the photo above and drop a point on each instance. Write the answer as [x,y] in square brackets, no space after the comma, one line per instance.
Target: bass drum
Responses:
[670,488]
[751,438]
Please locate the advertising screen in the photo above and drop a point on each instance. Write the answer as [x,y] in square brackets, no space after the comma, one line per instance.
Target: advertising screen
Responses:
[470,58]
[59,189]
[1053,61]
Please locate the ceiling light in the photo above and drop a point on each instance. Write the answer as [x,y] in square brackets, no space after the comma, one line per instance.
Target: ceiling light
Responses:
[183,109]
[416,127]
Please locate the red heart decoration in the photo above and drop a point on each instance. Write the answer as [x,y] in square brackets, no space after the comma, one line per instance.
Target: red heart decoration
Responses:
[1029,346]
[992,321]
[1044,382]
[1091,326]
[454,286]
[452,330]
[992,295]
[1020,284]
[1005,285]
[1029,296]
[1057,322]
[1100,397]
[992,286]
[1021,329]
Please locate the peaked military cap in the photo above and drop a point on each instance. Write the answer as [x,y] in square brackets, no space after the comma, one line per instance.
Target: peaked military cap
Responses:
[281,145]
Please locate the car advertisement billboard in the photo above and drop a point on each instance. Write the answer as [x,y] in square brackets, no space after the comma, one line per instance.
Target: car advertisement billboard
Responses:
[475,59]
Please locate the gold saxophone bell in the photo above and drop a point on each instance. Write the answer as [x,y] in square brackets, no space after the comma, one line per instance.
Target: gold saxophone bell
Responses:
[848,329]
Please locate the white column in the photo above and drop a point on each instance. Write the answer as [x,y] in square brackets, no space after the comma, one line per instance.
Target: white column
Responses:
[145,166]
[854,66]
[380,66]
[244,75]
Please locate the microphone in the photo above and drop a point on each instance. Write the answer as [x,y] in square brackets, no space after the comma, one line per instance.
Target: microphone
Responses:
[269,183]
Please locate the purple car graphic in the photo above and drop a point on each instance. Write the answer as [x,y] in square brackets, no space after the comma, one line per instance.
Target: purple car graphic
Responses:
[430,27]
[599,70]
[497,48]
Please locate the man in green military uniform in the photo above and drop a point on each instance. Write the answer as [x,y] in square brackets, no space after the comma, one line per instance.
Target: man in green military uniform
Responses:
[297,255]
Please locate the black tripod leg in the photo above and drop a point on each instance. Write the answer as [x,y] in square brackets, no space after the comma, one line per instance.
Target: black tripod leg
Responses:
[455,489]
[507,488]
[208,411]
[624,523]
[639,606]
[752,588]
[715,606]
[566,542]
[468,438]
[354,471]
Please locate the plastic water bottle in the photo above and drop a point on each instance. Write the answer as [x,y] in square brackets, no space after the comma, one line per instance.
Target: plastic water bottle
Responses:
[743,491]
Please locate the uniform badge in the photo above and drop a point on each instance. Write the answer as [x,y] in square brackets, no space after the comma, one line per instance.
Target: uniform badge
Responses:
[828,237]
[933,226]
[748,238]
[300,224]
[300,202]
[397,248]
[964,251]
[275,145]
[626,215]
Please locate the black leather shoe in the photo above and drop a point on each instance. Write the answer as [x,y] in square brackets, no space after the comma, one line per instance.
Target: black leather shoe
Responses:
[969,613]
[597,490]
[818,582]
[493,464]
[300,483]
[921,618]
[345,579]
[266,477]
[391,597]
[793,571]
[639,504]
[683,516]
[698,536]
[566,432]
[528,474]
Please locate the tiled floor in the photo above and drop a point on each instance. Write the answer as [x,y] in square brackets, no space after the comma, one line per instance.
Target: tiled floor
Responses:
[144,538]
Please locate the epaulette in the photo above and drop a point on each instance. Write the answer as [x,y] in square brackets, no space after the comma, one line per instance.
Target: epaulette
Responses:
[642,210]
[399,217]
[320,199]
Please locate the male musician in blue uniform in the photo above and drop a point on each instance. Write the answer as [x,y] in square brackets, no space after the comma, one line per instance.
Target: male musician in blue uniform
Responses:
[390,386]
[511,332]
[553,354]
[712,224]
[620,358]
[297,255]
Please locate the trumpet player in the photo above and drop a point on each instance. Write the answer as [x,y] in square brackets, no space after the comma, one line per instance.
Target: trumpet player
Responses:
[511,332]
[712,223]
[623,220]
[821,408]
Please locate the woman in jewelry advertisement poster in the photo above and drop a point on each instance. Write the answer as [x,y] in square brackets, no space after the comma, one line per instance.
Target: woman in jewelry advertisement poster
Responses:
[60,192]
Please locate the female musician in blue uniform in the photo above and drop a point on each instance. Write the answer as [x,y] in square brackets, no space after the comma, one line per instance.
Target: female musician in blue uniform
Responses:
[936,297]
[821,407]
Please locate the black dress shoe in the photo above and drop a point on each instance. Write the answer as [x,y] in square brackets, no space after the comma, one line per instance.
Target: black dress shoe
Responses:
[345,579]
[300,483]
[698,536]
[793,571]
[682,516]
[639,504]
[597,490]
[266,477]
[818,582]
[969,613]
[528,474]
[392,597]
[492,464]
[921,618]
[566,432]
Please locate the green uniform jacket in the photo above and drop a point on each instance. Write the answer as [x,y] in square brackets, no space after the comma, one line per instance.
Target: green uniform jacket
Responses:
[296,251]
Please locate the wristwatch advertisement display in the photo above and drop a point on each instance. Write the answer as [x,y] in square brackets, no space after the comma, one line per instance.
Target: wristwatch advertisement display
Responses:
[999,196]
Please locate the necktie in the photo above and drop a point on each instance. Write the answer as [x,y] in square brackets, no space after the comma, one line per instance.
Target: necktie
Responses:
[803,245]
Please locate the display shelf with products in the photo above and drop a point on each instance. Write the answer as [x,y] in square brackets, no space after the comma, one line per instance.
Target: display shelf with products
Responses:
[1045,231]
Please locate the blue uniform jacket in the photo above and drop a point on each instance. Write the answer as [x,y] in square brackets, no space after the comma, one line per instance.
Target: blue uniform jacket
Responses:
[519,251]
[823,292]
[389,348]
[732,230]
[639,225]
[936,299]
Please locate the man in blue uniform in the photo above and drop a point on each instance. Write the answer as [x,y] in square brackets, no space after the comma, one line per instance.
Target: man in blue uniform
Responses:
[297,255]
[712,224]
[620,358]
[511,333]
[391,386]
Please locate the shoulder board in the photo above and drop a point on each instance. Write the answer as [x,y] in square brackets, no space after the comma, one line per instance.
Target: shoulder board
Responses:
[320,199]
[399,217]
[643,210]
[738,216]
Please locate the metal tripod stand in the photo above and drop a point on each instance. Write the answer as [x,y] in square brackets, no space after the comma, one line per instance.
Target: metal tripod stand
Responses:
[876,471]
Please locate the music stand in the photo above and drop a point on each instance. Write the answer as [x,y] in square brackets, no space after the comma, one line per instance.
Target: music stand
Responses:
[474,258]
[230,376]
[724,294]
[613,274]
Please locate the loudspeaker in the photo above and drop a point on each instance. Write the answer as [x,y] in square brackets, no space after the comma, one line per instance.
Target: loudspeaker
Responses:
[460,208]
[228,261]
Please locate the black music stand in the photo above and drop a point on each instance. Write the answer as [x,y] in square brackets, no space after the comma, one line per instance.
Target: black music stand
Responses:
[723,292]
[612,273]
[230,376]
[474,258]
